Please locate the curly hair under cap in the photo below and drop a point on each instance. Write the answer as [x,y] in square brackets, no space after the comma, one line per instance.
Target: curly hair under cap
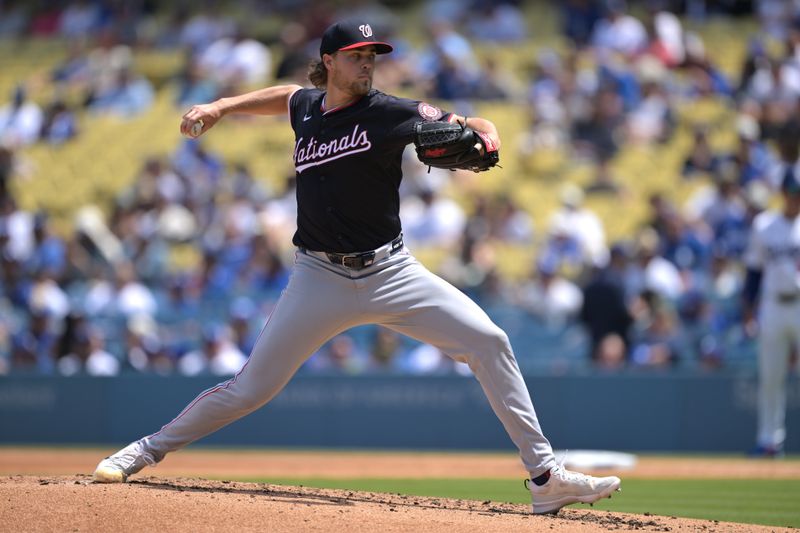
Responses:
[318,74]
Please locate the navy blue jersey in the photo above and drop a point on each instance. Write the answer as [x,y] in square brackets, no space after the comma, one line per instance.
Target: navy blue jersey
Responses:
[348,168]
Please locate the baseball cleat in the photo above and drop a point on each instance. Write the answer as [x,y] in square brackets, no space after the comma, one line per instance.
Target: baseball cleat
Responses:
[566,487]
[767,452]
[129,460]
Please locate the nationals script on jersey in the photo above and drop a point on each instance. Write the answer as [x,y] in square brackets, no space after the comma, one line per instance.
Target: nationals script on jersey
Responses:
[348,165]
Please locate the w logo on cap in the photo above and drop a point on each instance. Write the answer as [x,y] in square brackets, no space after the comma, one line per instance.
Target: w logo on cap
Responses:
[366,30]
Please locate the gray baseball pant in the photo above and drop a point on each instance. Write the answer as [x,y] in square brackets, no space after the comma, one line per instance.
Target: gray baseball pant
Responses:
[322,300]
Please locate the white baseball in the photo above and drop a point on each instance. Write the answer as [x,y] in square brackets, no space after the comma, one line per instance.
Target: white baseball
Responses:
[197,128]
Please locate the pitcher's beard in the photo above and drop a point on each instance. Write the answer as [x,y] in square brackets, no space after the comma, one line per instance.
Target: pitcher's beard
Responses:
[360,87]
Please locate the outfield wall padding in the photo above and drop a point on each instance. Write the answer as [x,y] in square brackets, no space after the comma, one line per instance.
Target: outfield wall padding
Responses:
[639,412]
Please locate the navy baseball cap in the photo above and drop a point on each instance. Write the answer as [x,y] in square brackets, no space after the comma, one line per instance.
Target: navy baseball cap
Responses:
[349,34]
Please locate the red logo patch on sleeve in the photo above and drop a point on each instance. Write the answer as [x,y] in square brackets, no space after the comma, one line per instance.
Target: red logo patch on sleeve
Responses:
[429,112]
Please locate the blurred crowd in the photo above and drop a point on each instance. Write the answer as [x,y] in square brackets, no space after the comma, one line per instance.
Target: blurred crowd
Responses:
[180,273]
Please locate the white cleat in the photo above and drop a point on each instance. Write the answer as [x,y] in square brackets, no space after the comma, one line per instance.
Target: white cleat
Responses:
[566,487]
[129,460]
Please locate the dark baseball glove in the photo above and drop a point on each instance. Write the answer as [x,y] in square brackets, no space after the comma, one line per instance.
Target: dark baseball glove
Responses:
[454,146]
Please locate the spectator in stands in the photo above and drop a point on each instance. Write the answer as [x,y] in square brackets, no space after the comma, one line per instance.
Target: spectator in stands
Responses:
[618,31]
[432,219]
[656,342]
[666,35]
[20,120]
[684,245]
[701,156]
[45,293]
[79,19]
[788,146]
[205,26]
[604,312]
[722,290]
[775,17]
[89,356]
[19,228]
[511,223]
[340,355]
[75,321]
[424,359]
[143,350]
[652,119]
[193,85]
[581,223]
[752,157]
[265,270]
[703,77]
[721,208]
[75,70]
[126,296]
[651,272]
[563,249]
[128,95]
[180,313]
[33,347]
[49,251]
[544,96]
[449,63]
[698,335]
[661,209]
[550,297]
[236,60]
[385,352]
[493,83]
[578,19]
[474,269]
[202,170]
[295,53]
[241,315]
[13,281]
[59,124]
[599,135]
[496,22]
[218,355]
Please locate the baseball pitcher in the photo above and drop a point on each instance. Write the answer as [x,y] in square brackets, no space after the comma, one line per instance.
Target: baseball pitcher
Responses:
[351,266]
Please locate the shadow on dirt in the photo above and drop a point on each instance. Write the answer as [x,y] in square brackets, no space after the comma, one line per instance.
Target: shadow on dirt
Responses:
[317,496]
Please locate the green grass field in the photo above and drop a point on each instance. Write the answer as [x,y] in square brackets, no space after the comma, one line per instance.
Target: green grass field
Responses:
[757,501]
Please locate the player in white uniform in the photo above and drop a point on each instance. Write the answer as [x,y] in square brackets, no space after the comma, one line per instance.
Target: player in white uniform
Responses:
[773,280]
[352,268]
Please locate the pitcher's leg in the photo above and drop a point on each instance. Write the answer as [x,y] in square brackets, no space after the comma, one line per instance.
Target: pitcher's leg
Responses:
[314,307]
[433,311]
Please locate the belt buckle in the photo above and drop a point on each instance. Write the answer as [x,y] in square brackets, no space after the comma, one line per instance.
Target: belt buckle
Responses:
[359,261]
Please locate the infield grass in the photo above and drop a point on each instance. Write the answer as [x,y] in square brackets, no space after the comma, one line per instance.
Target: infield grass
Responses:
[756,501]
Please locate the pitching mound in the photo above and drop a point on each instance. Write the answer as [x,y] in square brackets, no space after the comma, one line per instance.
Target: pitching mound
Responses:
[74,503]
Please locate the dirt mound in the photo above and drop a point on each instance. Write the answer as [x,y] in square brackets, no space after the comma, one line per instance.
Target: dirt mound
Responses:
[74,503]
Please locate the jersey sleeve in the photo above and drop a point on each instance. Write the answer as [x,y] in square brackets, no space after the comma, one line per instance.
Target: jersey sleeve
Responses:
[408,112]
[298,104]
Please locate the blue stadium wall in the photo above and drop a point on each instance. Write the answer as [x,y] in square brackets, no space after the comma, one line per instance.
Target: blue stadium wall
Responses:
[647,412]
